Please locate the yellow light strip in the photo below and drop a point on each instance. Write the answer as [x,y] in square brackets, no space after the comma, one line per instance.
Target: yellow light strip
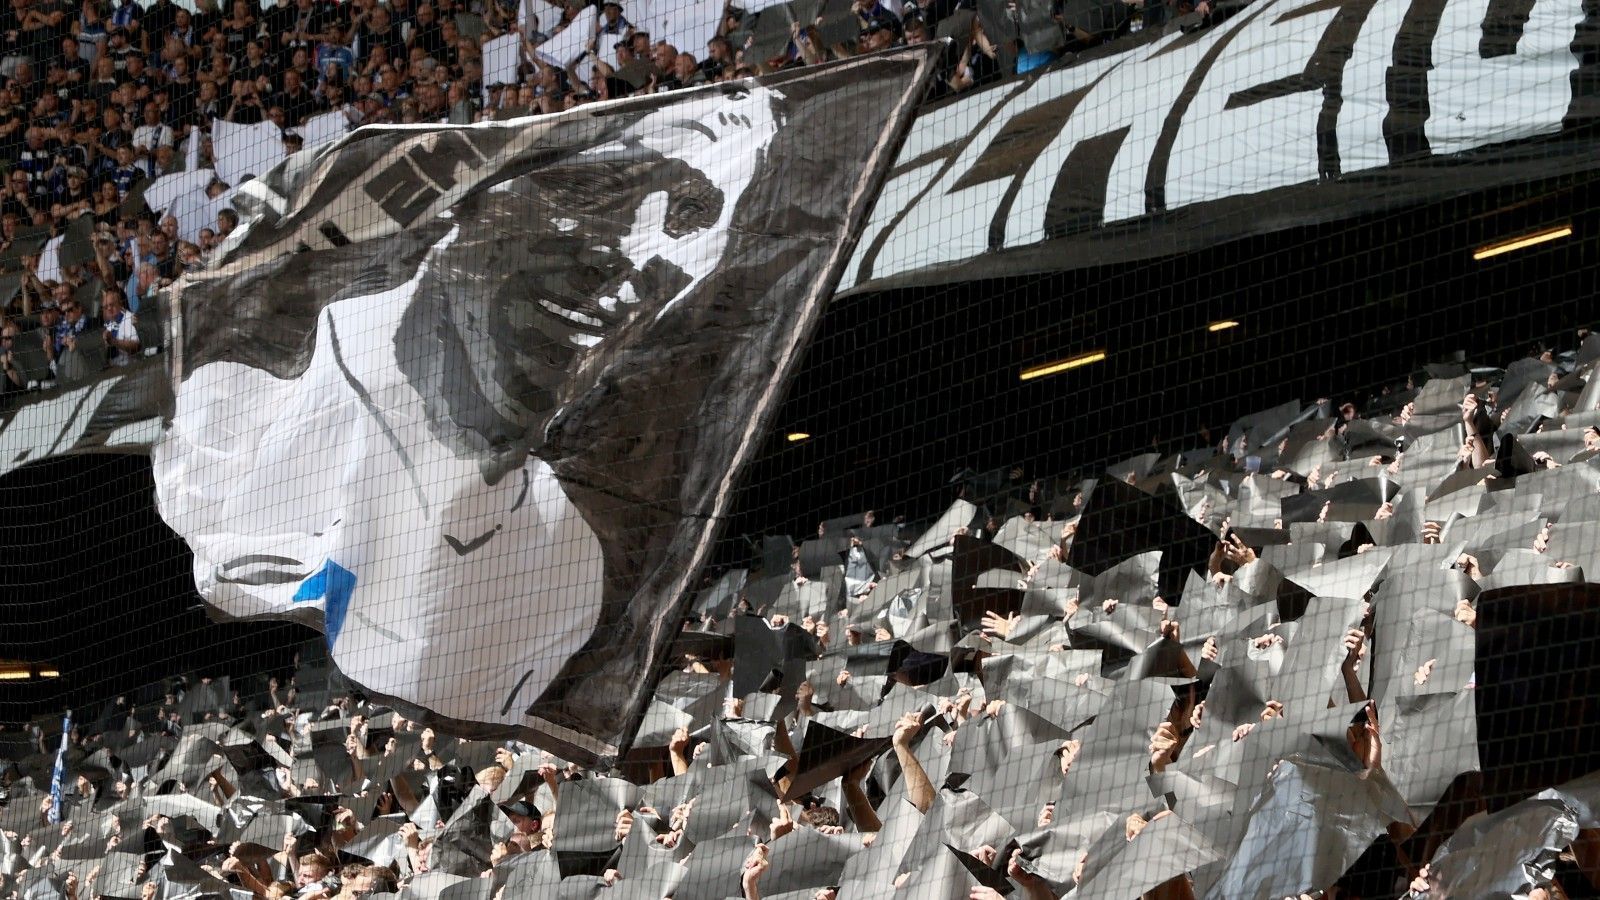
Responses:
[1223,325]
[796,436]
[12,670]
[1519,243]
[1063,365]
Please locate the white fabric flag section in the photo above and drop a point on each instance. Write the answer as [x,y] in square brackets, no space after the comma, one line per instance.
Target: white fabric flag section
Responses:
[197,211]
[50,260]
[166,192]
[565,45]
[182,195]
[500,58]
[191,150]
[240,150]
[300,440]
[324,127]
[116,409]
[56,423]
[519,368]
[689,25]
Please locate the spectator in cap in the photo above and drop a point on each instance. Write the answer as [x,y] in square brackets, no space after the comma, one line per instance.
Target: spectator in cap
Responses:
[612,23]
[72,197]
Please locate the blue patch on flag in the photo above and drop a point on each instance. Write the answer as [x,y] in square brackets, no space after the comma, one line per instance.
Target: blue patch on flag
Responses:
[333,584]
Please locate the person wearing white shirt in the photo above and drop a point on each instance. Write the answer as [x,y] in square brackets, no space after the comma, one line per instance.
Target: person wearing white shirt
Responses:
[121,337]
[152,135]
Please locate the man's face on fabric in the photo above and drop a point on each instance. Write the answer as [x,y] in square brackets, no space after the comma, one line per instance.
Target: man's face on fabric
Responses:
[577,251]
[389,485]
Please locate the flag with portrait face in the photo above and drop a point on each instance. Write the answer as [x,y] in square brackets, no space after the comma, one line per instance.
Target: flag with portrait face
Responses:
[472,400]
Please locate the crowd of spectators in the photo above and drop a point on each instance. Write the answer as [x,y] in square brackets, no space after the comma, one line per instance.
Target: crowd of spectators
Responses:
[98,98]
[957,711]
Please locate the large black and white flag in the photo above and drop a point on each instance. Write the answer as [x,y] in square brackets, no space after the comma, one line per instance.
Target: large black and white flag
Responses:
[473,399]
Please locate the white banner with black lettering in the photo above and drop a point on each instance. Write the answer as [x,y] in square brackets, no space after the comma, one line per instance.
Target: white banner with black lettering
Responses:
[1167,142]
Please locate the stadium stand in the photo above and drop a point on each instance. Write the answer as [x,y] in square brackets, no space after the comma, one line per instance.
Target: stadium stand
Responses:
[103,102]
[976,717]
[1329,650]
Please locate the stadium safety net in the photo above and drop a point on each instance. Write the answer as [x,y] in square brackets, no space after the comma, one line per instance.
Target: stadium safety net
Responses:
[807,449]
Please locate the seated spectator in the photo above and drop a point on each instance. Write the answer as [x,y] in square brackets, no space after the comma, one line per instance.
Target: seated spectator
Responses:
[104,81]
[296,100]
[166,162]
[426,34]
[140,81]
[122,340]
[119,46]
[12,380]
[209,106]
[240,27]
[247,107]
[663,57]
[334,51]
[16,200]
[462,108]
[685,73]
[152,134]
[142,285]
[60,326]
[128,172]
[9,225]
[255,67]
[71,197]
[299,64]
[217,71]
[107,203]
[125,18]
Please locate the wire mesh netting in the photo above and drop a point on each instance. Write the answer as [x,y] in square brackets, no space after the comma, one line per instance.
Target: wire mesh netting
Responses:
[809,449]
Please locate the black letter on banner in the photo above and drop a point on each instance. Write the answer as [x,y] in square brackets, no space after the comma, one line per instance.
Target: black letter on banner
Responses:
[439,163]
[1155,179]
[1014,150]
[1325,70]
[949,153]
[1502,27]
[401,191]
[408,185]
[1078,198]
[1585,105]
[1407,83]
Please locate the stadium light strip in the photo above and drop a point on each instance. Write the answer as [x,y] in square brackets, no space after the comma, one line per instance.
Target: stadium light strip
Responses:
[1519,243]
[1062,365]
[20,671]
[1223,325]
[797,436]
